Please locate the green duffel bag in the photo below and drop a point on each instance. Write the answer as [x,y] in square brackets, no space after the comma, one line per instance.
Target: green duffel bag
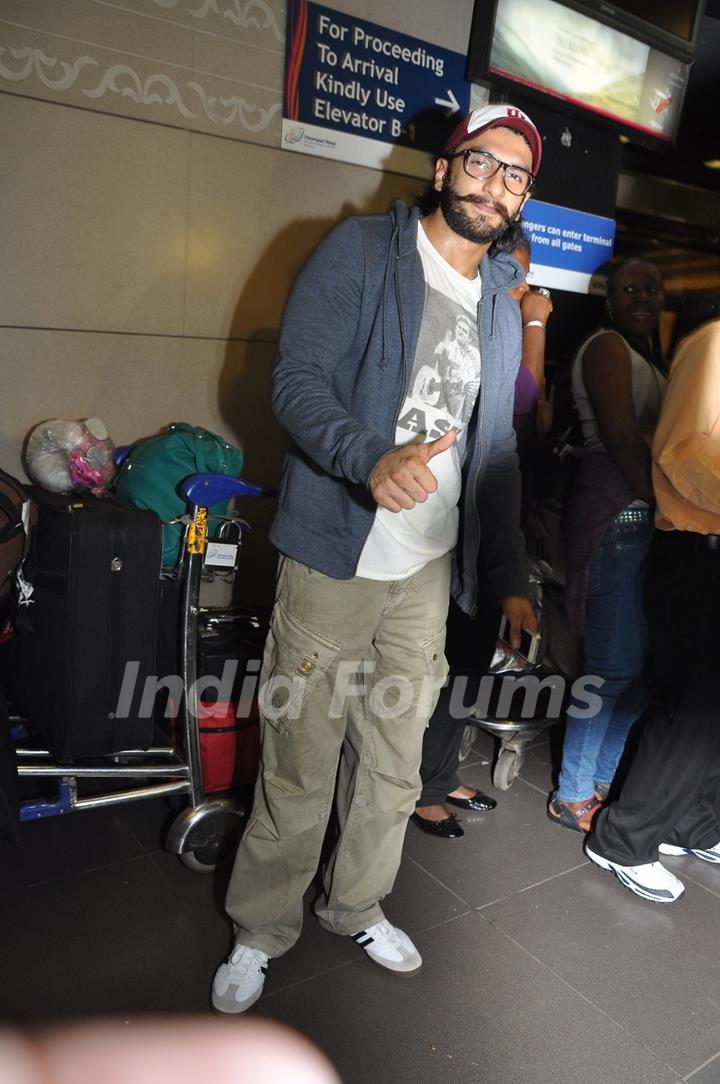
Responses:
[153,469]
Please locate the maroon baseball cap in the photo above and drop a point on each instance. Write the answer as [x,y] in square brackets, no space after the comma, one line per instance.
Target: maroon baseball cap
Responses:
[496,116]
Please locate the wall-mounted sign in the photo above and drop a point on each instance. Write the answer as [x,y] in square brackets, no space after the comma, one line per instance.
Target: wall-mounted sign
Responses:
[362,93]
[568,246]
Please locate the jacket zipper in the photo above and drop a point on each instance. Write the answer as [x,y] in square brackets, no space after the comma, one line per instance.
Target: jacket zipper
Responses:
[403,390]
[481,418]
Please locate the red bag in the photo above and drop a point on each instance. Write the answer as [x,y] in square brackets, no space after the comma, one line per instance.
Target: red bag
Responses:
[229,747]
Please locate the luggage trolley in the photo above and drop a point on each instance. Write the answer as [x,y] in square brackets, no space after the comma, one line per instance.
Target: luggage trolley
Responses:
[562,661]
[514,737]
[201,831]
[513,731]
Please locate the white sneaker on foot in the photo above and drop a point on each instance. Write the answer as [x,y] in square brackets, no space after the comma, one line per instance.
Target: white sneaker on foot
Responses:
[711,854]
[238,983]
[390,947]
[651,881]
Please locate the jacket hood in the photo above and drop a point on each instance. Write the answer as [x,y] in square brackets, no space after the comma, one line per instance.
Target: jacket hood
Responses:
[405,220]
[501,272]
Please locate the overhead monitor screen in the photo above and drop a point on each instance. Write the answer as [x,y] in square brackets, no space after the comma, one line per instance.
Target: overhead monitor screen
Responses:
[553,49]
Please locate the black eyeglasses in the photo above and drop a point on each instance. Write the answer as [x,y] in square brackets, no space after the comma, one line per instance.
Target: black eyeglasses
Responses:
[482,165]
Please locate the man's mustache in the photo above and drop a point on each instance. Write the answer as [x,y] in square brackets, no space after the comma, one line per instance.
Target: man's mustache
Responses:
[497,207]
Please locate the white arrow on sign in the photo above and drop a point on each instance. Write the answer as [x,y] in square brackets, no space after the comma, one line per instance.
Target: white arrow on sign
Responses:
[451,102]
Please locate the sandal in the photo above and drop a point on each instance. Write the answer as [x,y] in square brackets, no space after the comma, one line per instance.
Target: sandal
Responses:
[601,791]
[577,816]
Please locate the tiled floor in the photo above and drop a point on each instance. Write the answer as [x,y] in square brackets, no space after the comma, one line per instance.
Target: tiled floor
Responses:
[538,967]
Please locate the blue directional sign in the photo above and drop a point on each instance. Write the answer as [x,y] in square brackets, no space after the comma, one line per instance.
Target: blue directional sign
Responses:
[567,247]
[358,91]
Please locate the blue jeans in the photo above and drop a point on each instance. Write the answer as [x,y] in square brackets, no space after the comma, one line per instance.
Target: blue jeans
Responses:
[615,649]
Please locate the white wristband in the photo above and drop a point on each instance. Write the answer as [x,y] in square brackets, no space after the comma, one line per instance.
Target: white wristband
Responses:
[534,323]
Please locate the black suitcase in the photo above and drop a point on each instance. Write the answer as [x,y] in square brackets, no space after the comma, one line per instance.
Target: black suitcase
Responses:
[230,636]
[95,570]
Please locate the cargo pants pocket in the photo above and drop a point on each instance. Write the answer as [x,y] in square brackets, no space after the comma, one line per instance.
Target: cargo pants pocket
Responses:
[437,670]
[297,662]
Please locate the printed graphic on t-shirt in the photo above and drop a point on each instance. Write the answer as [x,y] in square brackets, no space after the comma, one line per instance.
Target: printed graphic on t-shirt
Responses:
[441,394]
[445,378]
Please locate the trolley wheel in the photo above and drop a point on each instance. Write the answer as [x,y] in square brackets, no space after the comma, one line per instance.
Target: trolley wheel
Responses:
[212,841]
[468,740]
[189,859]
[506,769]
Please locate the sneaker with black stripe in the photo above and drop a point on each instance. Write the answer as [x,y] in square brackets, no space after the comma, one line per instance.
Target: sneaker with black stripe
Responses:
[239,981]
[651,880]
[709,854]
[388,946]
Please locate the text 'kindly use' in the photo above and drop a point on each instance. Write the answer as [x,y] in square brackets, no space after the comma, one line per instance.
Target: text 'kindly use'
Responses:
[352,57]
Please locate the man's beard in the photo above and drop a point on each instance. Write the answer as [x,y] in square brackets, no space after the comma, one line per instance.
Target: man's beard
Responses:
[477,229]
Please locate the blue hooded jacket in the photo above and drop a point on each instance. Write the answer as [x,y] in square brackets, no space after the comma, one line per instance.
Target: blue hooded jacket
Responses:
[346,350]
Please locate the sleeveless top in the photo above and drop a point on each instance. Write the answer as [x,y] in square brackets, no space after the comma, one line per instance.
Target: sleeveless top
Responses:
[601,490]
[648,385]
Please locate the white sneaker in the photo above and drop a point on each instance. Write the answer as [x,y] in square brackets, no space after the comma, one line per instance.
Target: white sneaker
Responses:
[651,880]
[239,982]
[712,854]
[390,947]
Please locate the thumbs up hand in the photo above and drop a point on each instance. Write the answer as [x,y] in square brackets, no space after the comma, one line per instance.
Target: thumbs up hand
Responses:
[402,478]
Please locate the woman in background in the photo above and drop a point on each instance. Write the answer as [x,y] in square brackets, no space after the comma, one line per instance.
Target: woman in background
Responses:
[618,388]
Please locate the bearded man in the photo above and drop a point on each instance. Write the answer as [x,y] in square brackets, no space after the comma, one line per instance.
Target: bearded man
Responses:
[385,496]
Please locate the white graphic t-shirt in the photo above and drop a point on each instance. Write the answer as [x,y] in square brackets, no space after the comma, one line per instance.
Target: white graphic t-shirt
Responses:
[441,395]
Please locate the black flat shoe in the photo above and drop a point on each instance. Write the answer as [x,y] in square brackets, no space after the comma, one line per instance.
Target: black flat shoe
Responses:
[448,828]
[480,803]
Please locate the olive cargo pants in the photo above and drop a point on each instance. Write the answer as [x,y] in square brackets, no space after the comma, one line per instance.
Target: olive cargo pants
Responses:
[350,677]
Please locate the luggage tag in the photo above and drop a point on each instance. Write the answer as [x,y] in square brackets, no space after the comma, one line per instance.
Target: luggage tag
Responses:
[223,554]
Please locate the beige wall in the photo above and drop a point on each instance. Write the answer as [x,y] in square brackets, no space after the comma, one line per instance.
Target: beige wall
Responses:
[151,225]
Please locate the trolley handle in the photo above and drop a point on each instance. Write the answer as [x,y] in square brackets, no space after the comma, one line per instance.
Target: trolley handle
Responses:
[205,490]
[208,488]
